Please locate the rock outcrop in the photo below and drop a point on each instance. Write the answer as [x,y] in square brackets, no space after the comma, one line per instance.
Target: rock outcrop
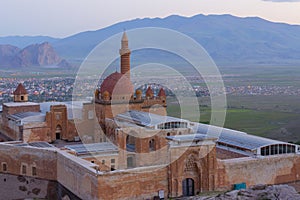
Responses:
[259,192]
[31,56]
[7,54]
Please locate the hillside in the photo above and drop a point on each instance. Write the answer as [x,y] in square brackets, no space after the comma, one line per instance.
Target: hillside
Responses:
[24,41]
[230,40]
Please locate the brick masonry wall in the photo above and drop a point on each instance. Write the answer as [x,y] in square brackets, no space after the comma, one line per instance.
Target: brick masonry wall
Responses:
[264,170]
[133,184]
[16,157]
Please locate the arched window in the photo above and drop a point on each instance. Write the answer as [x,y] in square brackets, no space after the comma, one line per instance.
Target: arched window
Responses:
[152,145]
[130,143]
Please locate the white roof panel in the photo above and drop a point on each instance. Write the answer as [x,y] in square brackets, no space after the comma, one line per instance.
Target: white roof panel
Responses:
[236,138]
[147,119]
[92,148]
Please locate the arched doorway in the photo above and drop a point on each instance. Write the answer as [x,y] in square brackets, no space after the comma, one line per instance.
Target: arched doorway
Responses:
[188,186]
[58,131]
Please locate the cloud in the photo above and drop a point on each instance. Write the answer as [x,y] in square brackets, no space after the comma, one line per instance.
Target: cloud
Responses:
[283,0]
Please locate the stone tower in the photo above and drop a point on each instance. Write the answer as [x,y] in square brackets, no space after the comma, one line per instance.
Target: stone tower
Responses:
[125,56]
[20,94]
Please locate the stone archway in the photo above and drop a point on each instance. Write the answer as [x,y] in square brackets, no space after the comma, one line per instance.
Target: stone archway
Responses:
[188,187]
[192,173]
[58,132]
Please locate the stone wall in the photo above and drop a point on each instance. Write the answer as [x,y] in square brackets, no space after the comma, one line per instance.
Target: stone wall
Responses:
[263,170]
[36,131]
[194,162]
[28,161]
[10,110]
[80,176]
[77,175]
[140,183]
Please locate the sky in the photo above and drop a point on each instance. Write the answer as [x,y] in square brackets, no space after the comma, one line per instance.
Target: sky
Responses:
[62,18]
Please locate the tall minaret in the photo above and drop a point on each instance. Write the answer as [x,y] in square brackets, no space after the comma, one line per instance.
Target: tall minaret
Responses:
[125,56]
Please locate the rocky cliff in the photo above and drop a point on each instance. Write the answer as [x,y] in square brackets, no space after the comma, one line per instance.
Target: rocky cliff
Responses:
[31,56]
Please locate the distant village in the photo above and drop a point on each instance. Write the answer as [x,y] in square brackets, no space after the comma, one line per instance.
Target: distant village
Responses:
[61,88]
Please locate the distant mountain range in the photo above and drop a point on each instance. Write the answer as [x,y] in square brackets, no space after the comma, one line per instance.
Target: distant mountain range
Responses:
[230,41]
[24,41]
[30,56]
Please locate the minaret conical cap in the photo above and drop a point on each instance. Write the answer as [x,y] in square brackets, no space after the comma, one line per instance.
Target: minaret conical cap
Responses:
[124,37]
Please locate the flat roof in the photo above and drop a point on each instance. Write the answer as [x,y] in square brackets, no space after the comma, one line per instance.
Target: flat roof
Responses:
[17,104]
[19,116]
[27,117]
[190,138]
[74,108]
[36,144]
[102,147]
[147,119]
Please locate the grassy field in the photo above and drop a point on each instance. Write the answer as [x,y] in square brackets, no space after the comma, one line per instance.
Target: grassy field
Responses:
[276,117]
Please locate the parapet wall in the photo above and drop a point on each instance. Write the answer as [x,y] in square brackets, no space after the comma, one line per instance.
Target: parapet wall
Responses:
[262,170]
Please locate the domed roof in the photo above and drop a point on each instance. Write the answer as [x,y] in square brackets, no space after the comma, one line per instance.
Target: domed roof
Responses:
[117,84]
[138,92]
[106,94]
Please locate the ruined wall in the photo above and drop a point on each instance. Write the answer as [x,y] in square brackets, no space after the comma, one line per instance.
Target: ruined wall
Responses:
[264,170]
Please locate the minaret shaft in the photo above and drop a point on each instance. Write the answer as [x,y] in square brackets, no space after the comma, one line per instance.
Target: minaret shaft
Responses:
[125,56]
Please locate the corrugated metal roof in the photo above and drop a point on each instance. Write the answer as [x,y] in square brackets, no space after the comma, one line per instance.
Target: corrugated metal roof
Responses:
[147,119]
[92,148]
[236,138]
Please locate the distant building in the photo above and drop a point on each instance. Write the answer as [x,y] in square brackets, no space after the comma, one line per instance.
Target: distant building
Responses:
[141,153]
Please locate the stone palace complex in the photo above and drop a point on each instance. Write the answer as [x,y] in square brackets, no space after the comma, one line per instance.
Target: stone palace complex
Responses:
[140,154]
